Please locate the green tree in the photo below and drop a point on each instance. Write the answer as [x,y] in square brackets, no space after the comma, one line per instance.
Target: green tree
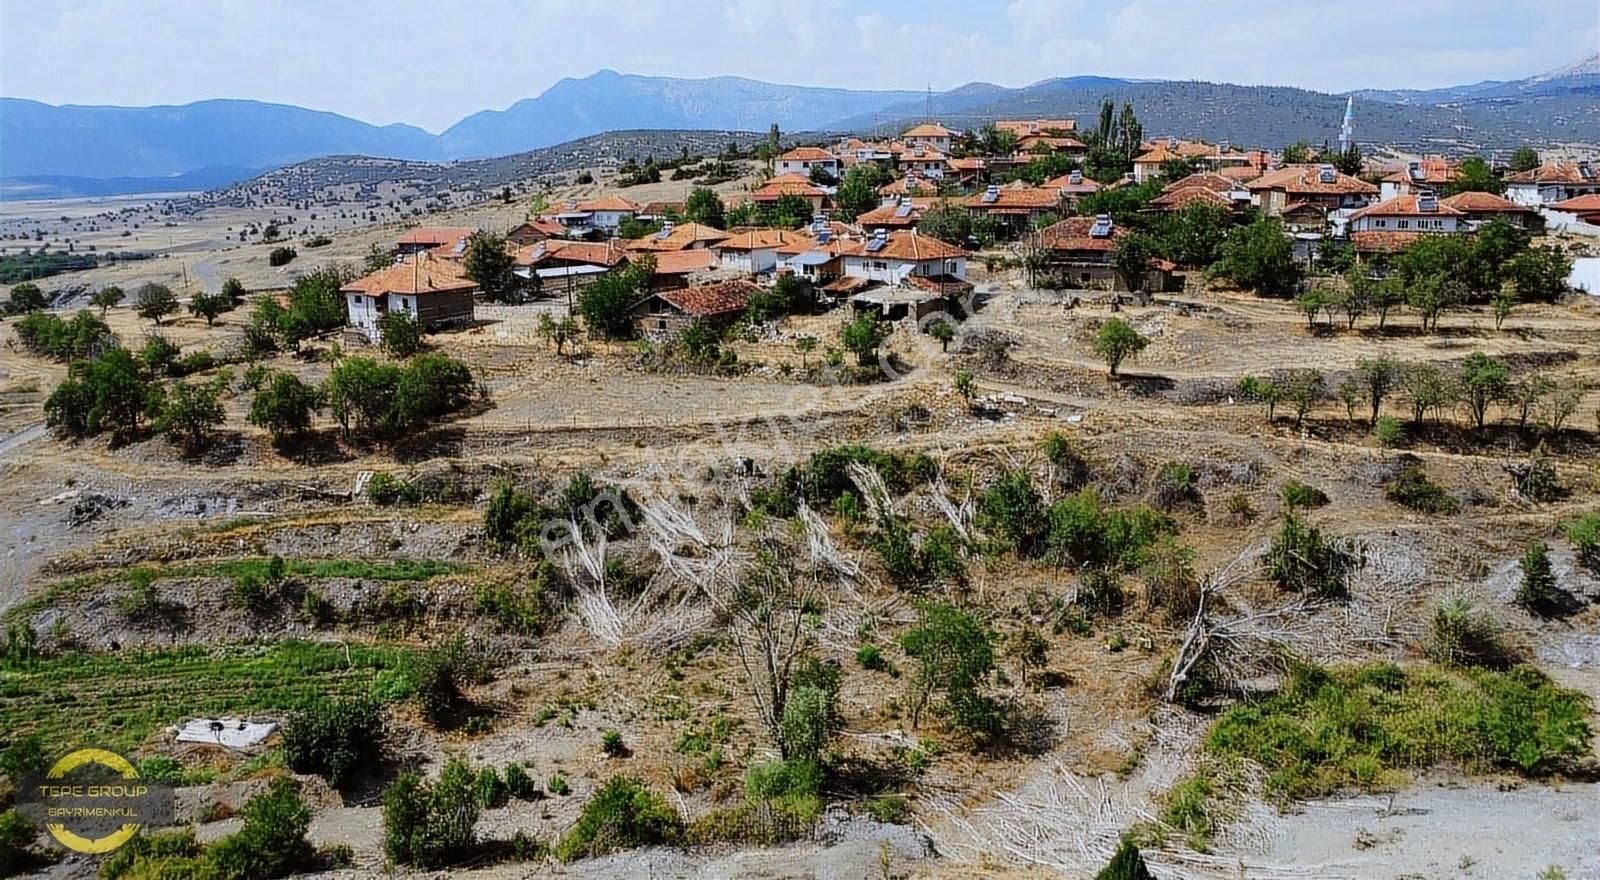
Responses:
[1297,153]
[1431,295]
[431,825]
[26,297]
[1505,300]
[1379,376]
[1427,388]
[1349,160]
[208,306]
[192,413]
[1131,257]
[154,302]
[1484,380]
[272,841]
[233,292]
[1260,257]
[862,336]
[1538,592]
[704,206]
[106,297]
[1475,175]
[1117,341]
[1525,158]
[955,656]
[490,264]
[401,335]
[557,333]
[1192,236]
[944,331]
[805,345]
[607,303]
[284,407]
[359,394]
[1540,273]
[790,211]
[623,813]
[1302,388]
[111,393]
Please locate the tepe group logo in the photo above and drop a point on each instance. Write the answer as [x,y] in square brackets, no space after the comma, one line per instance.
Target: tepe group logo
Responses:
[92,801]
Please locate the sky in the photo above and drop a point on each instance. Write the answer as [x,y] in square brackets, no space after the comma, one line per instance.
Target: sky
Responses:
[432,63]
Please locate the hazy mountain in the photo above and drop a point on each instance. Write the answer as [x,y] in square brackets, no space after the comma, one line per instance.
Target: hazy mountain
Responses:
[54,149]
[85,141]
[1582,78]
[608,101]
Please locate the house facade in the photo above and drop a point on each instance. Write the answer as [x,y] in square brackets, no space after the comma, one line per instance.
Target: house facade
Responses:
[427,238]
[1309,191]
[666,313]
[1423,212]
[802,160]
[894,257]
[1554,182]
[595,216]
[1081,249]
[930,135]
[754,251]
[434,292]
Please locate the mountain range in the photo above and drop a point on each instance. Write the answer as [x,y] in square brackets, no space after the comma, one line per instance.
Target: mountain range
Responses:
[71,149]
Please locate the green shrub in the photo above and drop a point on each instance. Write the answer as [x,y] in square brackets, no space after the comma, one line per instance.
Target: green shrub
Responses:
[955,654]
[431,825]
[519,784]
[438,679]
[1174,487]
[490,790]
[611,744]
[1100,592]
[24,756]
[335,738]
[1388,431]
[1414,490]
[1010,509]
[811,713]
[1584,533]
[280,256]
[622,814]
[158,855]
[1188,807]
[17,834]
[272,841]
[826,474]
[1538,592]
[1301,495]
[517,608]
[890,809]
[872,657]
[385,489]
[1360,727]
[1463,635]
[558,786]
[1126,864]
[1303,561]
[1080,534]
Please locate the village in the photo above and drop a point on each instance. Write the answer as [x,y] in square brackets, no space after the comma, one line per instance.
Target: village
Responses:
[1011,501]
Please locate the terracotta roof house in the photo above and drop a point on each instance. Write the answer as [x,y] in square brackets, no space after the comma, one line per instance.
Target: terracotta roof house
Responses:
[1033,143]
[908,185]
[919,158]
[666,313]
[902,213]
[1147,165]
[930,134]
[566,266]
[1080,249]
[426,238]
[1024,127]
[1586,208]
[1429,172]
[1218,183]
[1073,186]
[534,231]
[602,215]
[433,291]
[1369,244]
[791,185]
[659,210]
[1014,207]
[1423,212]
[1480,207]
[754,249]
[891,257]
[1554,182]
[802,160]
[1183,196]
[1319,187]
[677,237]
[675,269]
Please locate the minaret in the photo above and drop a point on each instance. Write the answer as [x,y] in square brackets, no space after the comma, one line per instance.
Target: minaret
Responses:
[1347,128]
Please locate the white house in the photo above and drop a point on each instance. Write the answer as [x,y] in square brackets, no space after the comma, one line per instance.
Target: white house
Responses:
[1553,182]
[930,135]
[435,292]
[801,160]
[754,251]
[596,215]
[1422,212]
[894,257]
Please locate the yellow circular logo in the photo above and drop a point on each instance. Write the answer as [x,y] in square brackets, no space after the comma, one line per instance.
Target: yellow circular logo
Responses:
[110,792]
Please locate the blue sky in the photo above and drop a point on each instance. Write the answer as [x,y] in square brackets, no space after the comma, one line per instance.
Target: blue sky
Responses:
[430,63]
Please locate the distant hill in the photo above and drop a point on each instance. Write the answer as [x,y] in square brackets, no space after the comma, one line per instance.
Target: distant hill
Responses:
[60,147]
[103,142]
[611,101]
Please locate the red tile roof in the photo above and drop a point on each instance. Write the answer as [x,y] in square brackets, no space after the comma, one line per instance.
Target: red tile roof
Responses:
[709,300]
[1557,172]
[1404,206]
[1072,234]
[1065,185]
[1027,197]
[1025,127]
[807,154]
[787,184]
[433,236]
[1583,204]
[753,238]
[419,274]
[907,185]
[597,253]
[609,203]
[684,262]
[903,245]
[1484,203]
[1173,199]
[929,130]
[1378,242]
[1435,171]
[888,214]
[1307,179]
[1210,180]
[683,236]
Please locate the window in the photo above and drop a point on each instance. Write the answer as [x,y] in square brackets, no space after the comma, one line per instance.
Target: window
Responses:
[661,323]
[358,299]
[1404,224]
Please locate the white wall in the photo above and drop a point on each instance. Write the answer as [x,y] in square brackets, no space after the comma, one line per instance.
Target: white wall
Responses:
[364,313]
